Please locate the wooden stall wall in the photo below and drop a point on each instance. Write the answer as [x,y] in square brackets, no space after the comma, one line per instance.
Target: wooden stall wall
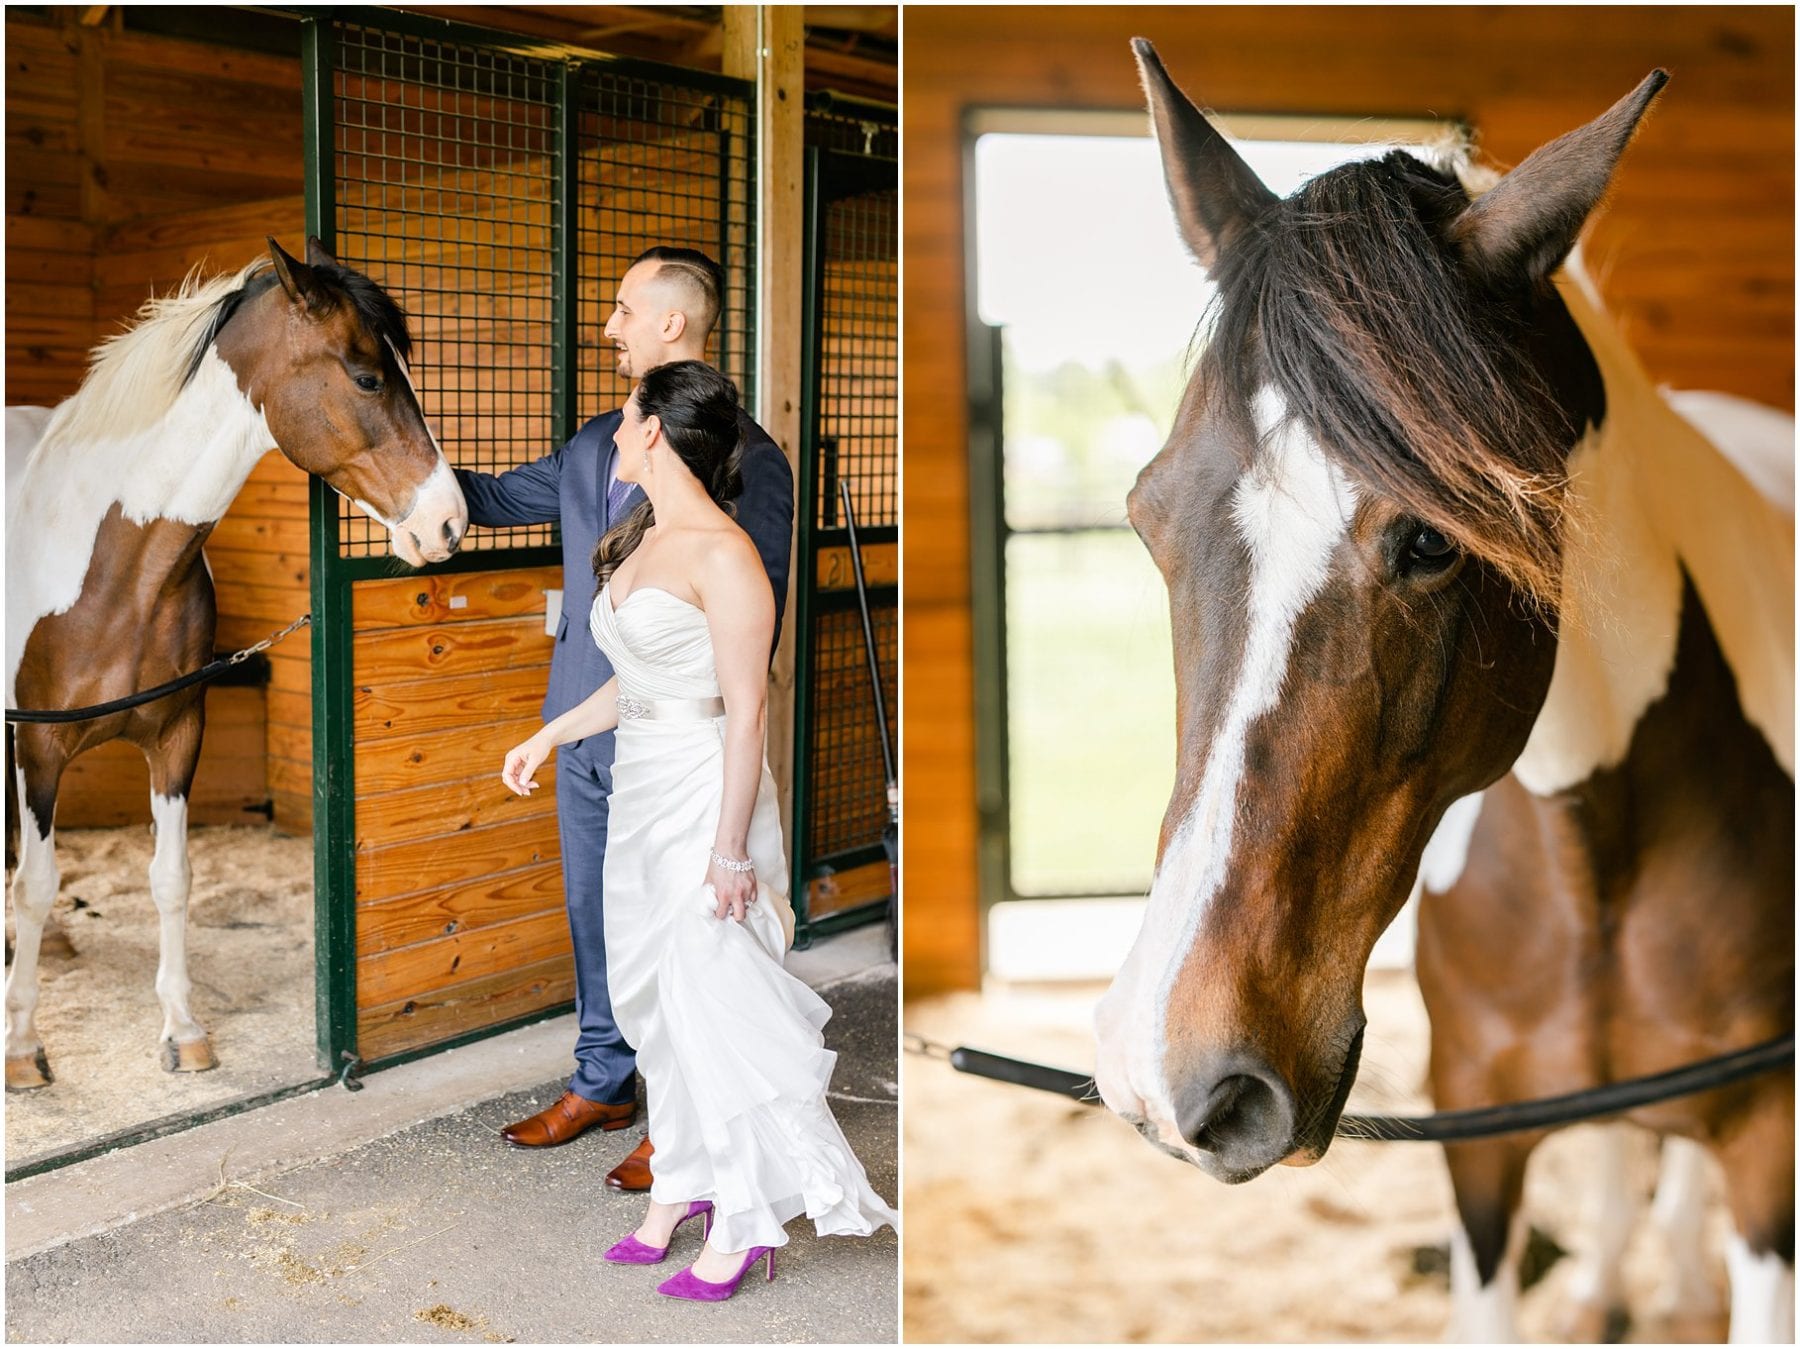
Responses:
[459,906]
[49,239]
[1695,254]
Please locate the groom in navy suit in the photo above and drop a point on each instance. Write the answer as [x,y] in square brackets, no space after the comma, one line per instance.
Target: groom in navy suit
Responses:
[667,304]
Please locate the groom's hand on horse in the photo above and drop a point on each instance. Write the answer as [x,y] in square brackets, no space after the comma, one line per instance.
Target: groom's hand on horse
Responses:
[522,762]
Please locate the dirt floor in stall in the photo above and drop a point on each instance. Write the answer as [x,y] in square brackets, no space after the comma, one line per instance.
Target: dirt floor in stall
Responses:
[250,957]
[1033,1219]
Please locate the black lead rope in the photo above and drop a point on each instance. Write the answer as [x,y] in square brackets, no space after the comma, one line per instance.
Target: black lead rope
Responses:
[62,716]
[1446,1126]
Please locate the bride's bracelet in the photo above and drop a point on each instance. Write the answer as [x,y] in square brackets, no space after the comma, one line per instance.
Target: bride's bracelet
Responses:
[731,863]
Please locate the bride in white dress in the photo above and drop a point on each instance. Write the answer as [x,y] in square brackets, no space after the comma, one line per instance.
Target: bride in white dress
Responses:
[697,914]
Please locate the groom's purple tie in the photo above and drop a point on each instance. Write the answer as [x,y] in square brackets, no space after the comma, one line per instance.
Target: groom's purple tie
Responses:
[615,500]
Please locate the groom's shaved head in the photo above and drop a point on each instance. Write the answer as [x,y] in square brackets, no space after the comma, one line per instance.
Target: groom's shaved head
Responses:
[692,282]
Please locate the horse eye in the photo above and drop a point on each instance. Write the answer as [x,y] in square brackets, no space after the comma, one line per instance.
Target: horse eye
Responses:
[1429,548]
[369,383]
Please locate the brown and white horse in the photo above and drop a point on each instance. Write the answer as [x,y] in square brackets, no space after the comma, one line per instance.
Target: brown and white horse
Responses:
[109,499]
[1425,522]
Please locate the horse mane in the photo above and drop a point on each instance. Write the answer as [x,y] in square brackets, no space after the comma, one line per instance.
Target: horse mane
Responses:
[1351,302]
[135,375]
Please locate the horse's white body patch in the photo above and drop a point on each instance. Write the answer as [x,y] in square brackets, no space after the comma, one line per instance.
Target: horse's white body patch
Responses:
[1291,509]
[1651,497]
[185,467]
[1762,1295]
[1620,620]
[1447,853]
[1758,440]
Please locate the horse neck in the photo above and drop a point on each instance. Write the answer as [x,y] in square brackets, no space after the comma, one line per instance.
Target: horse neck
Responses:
[184,468]
[191,463]
[1652,501]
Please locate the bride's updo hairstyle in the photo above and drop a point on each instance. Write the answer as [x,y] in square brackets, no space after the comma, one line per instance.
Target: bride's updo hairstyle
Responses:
[698,409]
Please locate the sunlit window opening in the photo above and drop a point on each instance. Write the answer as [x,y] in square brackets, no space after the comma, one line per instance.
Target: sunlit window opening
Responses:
[1099,305]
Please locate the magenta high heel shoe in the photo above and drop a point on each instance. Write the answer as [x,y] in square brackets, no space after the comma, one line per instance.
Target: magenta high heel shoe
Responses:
[631,1251]
[695,1289]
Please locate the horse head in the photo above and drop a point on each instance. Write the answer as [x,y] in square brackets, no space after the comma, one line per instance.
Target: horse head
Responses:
[1358,516]
[324,355]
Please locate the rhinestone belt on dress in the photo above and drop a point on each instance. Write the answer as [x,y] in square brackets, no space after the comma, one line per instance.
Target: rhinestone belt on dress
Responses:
[669,709]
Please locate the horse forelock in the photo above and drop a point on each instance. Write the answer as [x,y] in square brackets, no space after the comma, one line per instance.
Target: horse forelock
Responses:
[379,313]
[1349,300]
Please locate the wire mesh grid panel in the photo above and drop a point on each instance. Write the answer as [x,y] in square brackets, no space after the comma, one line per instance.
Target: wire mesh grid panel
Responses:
[859,359]
[854,441]
[446,179]
[662,163]
[847,787]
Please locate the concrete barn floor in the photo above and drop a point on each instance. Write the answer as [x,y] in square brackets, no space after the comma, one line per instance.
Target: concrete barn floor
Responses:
[397,1214]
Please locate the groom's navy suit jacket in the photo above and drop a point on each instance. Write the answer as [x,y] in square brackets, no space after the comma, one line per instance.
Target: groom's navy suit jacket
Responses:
[569,488]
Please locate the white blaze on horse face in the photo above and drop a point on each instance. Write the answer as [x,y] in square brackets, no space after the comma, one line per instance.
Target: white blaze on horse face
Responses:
[1291,509]
[439,501]
[1762,1294]
[187,467]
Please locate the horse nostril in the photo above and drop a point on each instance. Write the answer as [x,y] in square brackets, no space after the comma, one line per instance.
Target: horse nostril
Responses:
[1243,1114]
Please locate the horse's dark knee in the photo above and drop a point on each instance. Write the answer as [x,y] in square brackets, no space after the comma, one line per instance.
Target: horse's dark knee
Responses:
[1489,1180]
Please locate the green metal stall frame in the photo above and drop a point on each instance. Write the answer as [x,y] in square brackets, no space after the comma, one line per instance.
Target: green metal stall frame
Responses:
[851,167]
[572,74]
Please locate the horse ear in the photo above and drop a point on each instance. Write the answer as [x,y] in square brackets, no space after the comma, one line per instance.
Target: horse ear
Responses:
[295,276]
[1211,188]
[1520,230]
[316,255]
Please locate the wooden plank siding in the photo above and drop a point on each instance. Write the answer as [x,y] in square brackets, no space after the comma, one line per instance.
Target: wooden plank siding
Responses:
[1695,253]
[459,902]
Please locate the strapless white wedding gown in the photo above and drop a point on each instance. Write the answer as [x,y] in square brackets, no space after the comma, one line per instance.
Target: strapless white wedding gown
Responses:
[729,1043]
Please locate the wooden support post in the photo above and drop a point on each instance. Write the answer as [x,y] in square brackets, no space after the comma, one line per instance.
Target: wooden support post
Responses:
[768,43]
[90,117]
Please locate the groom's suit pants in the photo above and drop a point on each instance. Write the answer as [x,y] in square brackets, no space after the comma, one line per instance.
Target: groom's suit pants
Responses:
[605,1066]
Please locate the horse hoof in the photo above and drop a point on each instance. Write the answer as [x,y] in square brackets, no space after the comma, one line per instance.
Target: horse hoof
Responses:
[28,1072]
[188,1056]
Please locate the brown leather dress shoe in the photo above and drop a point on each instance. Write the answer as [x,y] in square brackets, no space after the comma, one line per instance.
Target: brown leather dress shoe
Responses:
[634,1172]
[570,1117]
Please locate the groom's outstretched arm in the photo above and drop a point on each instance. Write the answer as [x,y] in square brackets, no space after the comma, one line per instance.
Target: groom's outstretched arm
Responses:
[766,513]
[527,495]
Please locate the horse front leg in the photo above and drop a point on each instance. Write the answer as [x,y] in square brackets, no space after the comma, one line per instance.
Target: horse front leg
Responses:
[1757,1154]
[1691,1310]
[1596,1309]
[184,1045]
[37,775]
[1488,1178]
